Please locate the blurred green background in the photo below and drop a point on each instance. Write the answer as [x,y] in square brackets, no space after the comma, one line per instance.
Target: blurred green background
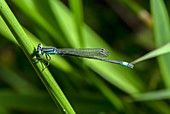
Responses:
[124,27]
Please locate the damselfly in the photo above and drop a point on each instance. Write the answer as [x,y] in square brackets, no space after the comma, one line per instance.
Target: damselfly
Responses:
[91,53]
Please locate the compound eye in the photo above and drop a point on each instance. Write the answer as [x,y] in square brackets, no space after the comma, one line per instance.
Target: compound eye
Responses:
[40,46]
[39,49]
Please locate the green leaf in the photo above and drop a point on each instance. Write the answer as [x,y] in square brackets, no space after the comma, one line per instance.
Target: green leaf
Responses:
[28,47]
[30,9]
[162,35]
[155,53]
[77,12]
[153,95]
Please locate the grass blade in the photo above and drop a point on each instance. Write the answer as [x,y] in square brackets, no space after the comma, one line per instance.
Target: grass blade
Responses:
[155,53]
[28,47]
[77,11]
[162,35]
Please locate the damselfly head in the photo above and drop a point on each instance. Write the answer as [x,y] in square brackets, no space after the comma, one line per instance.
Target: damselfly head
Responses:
[39,47]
